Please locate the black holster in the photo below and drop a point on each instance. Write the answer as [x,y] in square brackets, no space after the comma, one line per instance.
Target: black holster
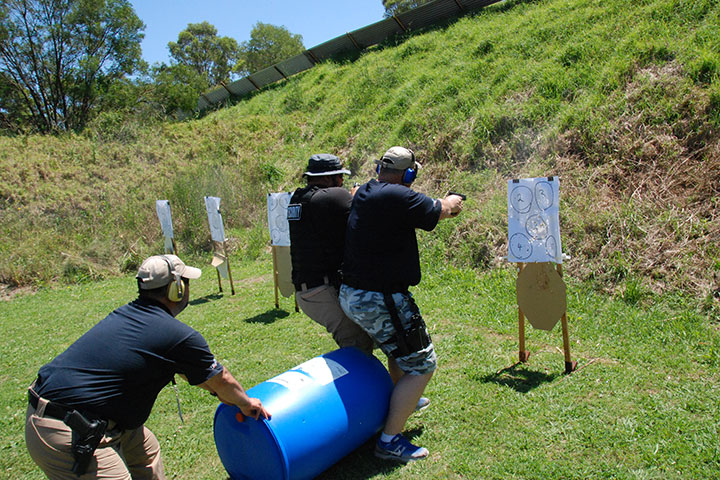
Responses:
[86,436]
[411,339]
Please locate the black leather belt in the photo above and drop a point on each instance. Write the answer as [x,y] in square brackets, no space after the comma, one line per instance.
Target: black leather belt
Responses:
[59,411]
[302,286]
[387,287]
[52,409]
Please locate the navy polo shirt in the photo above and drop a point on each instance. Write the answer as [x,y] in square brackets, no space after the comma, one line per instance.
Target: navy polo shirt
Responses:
[118,367]
[381,251]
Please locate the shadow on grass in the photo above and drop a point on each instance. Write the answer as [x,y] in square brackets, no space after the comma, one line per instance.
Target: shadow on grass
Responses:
[519,378]
[205,299]
[268,317]
[362,463]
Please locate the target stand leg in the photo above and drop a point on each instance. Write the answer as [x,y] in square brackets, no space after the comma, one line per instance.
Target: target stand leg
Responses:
[275,275]
[523,355]
[570,365]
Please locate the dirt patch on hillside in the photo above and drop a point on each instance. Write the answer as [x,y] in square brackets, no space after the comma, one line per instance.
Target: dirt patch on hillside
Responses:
[8,292]
[645,194]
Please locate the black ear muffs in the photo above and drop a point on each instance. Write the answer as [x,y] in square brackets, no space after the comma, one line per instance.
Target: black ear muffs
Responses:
[176,288]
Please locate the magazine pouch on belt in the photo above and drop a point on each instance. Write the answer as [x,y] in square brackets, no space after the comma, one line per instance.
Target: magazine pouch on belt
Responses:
[412,339]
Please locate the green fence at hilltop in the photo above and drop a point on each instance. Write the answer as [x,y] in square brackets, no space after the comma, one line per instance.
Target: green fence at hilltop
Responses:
[426,15]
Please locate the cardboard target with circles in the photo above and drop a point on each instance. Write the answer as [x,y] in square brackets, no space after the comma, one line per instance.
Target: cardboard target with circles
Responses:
[277,205]
[534,220]
[534,245]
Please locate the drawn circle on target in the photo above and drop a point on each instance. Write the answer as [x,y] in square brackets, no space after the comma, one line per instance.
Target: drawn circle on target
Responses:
[551,247]
[520,246]
[544,195]
[521,199]
[537,226]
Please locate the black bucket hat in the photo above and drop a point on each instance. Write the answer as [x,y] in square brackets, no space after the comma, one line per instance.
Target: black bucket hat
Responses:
[325,164]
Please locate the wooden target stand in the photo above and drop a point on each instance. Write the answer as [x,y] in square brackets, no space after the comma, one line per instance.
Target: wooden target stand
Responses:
[173,247]
[281,274]
[541,297]
[219,247]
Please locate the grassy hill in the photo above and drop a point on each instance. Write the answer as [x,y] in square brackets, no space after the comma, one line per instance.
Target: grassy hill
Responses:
[621,99]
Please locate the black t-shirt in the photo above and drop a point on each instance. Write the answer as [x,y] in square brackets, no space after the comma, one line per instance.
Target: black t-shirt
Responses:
[381,249]
[317,231]
[118,367]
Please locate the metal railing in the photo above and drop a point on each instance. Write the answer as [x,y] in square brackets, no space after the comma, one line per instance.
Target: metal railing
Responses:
[423,16]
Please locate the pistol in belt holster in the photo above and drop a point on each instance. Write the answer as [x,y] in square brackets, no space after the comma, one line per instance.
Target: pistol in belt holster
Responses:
[86,436]
[411,339]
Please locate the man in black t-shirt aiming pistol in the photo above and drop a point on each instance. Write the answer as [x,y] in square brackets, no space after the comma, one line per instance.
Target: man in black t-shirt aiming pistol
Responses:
[381,262]
[88,406]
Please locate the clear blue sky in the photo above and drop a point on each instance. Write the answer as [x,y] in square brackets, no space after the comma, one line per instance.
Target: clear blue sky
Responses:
[316,20]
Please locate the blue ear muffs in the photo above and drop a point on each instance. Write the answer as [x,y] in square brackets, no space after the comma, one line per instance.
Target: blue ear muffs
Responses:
[409,175]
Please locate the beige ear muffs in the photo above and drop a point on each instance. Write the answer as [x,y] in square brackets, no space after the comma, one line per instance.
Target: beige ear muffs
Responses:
[176,288]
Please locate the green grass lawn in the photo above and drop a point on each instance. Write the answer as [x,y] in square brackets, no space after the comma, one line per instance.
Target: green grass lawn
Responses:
[644,402]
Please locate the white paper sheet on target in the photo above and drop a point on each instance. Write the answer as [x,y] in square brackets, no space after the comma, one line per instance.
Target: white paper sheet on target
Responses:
[534,220]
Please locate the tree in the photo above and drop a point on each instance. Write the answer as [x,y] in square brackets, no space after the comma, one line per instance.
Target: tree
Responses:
[13,113]
[200,48]
[394,7]
[177,88]
[269,45]
[58,56]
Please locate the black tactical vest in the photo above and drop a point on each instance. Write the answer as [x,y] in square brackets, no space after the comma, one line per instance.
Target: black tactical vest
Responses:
[313,254]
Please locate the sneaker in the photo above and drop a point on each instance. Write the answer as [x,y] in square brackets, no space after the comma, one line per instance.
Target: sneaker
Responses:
[400,450]
[422,404]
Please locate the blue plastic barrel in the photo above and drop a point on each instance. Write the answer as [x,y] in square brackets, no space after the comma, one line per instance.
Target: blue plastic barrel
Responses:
[321,410]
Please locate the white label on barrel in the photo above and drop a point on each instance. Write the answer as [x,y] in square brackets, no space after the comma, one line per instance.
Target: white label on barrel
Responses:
[323,370]
[320,370]
[292,380]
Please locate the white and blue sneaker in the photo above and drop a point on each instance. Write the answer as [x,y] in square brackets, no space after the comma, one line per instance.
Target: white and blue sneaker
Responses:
[399,449]
[422,404]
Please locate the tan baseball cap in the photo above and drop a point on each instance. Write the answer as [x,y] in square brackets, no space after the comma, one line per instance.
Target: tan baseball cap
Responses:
[160,270]
[399,158]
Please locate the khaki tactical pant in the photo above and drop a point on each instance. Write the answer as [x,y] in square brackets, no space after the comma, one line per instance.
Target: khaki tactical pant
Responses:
[322,305]
[121,455]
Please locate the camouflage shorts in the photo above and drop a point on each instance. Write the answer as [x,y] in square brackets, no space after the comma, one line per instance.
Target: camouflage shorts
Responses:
[367,309]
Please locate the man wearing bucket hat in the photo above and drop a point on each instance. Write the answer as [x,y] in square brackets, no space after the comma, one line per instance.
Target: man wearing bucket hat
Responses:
[381,262]
[87,406]
[317,215]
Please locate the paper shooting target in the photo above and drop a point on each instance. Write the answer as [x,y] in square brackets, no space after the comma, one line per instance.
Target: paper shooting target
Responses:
[534,220]
[277,204]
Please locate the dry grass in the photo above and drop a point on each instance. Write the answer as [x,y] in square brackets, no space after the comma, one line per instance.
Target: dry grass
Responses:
[655,191]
